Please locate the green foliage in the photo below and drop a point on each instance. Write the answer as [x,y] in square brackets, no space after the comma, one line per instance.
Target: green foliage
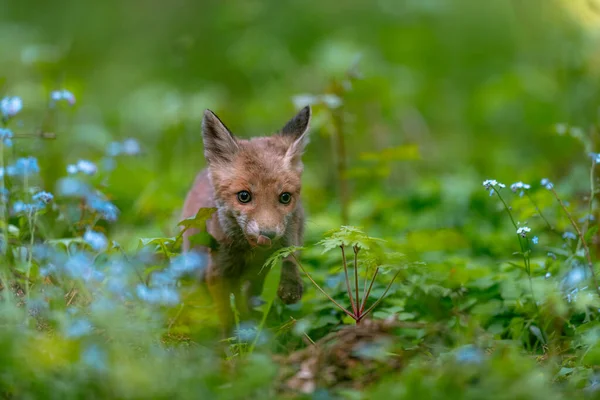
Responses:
[415,104]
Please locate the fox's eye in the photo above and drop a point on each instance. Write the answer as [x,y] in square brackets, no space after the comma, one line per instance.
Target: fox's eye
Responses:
[244,196]
[285,198]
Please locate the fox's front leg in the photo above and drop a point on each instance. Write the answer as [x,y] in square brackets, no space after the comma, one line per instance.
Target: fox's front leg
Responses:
[290,285]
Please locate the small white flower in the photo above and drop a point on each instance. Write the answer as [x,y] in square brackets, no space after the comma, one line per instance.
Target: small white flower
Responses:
[519,185]
[87,167]
[523,231]
[491,185]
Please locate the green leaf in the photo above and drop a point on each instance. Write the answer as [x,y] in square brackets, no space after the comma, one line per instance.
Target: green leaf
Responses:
[199,220]
[279,255]
[348,236]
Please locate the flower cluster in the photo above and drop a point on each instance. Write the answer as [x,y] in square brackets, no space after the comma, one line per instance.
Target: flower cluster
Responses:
[491,185]
[62,95]
[96,240]
[84,166]
[25,166]
[40,200]
[547,184]
[523,231]
[128,147]
[10,106]
[6,136]
[521,187]
[162,289]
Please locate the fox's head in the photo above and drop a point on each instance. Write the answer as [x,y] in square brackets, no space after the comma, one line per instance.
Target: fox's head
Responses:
[256,181]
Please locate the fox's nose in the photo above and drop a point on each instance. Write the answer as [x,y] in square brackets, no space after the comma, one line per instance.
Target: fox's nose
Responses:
[269,234]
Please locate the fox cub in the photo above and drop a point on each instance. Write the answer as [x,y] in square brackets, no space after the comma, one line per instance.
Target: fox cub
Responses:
[255,186]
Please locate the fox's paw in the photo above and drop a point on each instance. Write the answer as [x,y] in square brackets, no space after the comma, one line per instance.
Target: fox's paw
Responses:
[290,292]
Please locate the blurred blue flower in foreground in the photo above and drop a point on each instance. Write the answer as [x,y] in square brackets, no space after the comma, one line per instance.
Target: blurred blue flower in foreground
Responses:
[81,265]
[78,328]
[65,95]
[129,147]
[83,166]
[569,236]
[6,136]
[43,197]
[94,357]
[22,167]
[72,187]
[103,207]
[161,295]
[469,354]
[10,106]
[96,240]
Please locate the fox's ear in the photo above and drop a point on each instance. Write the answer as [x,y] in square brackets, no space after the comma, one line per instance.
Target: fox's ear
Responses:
[219,142]
[297,130]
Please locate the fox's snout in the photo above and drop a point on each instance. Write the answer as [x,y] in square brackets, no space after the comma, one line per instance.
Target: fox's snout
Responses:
[261,234]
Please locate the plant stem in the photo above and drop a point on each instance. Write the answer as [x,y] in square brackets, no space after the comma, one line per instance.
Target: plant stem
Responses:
[356,250]
[541,215]
[581,237]
[368,292]
[348,287]
[4,208]
[525,256]
[321,290]
[31,218]
[381,298]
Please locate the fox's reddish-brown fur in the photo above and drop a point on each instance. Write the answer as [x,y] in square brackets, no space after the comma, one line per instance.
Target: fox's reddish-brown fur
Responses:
[247,233]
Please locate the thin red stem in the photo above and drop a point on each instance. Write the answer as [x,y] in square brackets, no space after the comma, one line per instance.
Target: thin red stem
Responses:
[355,248]
[364,301]
[348,287]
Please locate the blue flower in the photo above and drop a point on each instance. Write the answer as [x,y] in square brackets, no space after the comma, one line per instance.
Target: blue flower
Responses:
[43,197]
[81,265]
[72,187]
[546,183]
[94,357]
[469,355]
[87,167]
[131,147]
[96,240]
[6,136]
[535,240]
[80,327]
[575,276]
[59,95]
[162,295]
[187,263]
[72,169]
[10,106]
[24,166]
[105,208]
[113,149]
[569,236]
[492,185]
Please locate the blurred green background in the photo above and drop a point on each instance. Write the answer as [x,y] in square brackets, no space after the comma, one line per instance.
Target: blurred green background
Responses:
[462,90]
